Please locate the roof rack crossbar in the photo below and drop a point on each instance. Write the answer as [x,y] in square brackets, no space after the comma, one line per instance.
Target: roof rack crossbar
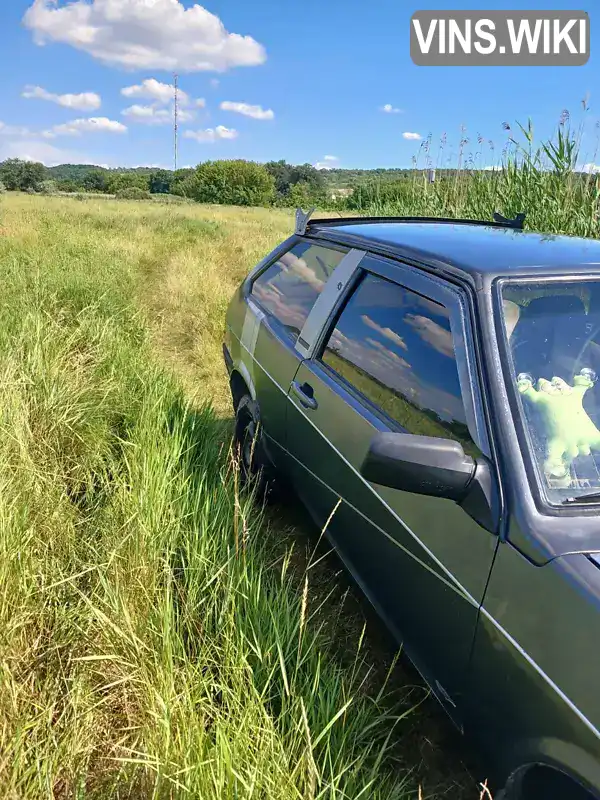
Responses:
[498,221]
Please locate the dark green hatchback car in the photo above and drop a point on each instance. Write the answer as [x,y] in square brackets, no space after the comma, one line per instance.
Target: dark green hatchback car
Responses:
[434,382]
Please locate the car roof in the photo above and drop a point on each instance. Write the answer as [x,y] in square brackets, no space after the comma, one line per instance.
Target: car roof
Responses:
[475,248]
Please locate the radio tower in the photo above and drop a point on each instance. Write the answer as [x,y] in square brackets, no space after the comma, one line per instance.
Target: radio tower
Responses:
[175,116]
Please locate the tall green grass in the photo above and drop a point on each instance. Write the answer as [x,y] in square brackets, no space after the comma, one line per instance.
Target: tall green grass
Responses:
[545,180]
[154,642]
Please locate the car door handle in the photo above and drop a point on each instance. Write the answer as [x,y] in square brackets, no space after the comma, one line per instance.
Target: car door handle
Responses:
[304,393]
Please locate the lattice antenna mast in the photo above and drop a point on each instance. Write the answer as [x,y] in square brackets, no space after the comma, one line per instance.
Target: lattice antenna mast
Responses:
[175,118]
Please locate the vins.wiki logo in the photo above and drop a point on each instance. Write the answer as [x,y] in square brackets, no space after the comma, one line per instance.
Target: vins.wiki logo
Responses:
[500,38]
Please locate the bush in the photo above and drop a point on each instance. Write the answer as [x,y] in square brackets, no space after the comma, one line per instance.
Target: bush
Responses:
[237,183]
[2,188]
[67,186]
[302,194]
[127,180]
[48,187]
[134,193]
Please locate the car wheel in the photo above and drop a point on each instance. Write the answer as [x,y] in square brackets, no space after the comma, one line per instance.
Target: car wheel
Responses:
[254,465]
[539,783]
[513,788]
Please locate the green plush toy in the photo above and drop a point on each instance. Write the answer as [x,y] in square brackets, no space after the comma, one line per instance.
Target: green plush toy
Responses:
[569,429]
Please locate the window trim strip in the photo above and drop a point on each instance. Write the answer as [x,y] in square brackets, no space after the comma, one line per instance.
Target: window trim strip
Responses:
[340,283]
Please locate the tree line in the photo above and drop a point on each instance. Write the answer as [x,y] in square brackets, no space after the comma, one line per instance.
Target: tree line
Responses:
[278,183]
[234,182]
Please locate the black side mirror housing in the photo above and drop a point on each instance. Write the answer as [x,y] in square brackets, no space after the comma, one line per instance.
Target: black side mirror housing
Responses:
[435,467]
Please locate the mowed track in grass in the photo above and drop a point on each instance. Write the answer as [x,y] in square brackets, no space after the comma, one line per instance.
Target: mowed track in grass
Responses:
[159,636]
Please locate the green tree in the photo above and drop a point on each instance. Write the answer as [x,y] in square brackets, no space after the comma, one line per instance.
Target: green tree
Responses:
[127,180]
[18,175]
[95,181]
[282,173]
[304,195]
[240,183]
[180,184]
[68,186]
[306,173]
[287,176]
[160,181]
[133,193]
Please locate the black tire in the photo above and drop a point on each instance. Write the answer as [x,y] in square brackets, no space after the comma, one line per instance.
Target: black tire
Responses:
[538,783]
[255,468]
[512,788]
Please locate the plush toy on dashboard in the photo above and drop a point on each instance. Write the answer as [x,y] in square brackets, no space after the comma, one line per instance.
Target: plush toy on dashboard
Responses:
[568,427]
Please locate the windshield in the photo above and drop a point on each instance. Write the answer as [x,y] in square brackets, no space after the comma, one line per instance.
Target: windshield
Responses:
[553,332]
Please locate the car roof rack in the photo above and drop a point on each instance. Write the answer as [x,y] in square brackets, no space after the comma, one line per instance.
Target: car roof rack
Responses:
[304,221]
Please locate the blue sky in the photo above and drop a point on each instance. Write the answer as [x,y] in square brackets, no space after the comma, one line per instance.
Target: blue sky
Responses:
[324,70]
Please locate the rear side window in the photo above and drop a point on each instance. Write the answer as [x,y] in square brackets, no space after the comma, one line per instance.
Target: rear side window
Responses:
[395,348]
[288,289]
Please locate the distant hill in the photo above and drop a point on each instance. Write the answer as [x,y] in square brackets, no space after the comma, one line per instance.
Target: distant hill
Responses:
[348,178]
[76,172]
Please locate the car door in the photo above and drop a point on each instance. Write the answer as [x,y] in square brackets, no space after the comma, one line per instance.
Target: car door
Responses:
[279,300]
[395,358]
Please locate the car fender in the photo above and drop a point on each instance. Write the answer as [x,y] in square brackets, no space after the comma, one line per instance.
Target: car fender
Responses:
[574,762]
[242,369]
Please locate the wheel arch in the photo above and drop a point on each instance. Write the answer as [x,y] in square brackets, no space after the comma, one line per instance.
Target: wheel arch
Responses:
[544,781]
[240,383]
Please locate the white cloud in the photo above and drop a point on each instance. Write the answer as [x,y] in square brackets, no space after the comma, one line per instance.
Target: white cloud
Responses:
[388,108]
[151,89]
[143,34]
[163,94]
[15,130]
[185,116]
[590,168]
[90,125]
[387,332]
[387,353]
[411,136]
[85,101]
[149,115]
[256,112]
[199,102]
[46,153]
[493,168]
[328,162]
[432,333]
[212,134]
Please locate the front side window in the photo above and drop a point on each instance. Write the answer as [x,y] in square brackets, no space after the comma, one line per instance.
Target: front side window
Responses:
[396,349]
[289,288]
[553,335]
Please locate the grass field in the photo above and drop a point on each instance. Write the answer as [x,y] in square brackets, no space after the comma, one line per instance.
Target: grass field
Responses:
[160,637]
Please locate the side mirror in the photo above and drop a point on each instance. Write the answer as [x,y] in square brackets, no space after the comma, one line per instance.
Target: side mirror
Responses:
[434,467]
